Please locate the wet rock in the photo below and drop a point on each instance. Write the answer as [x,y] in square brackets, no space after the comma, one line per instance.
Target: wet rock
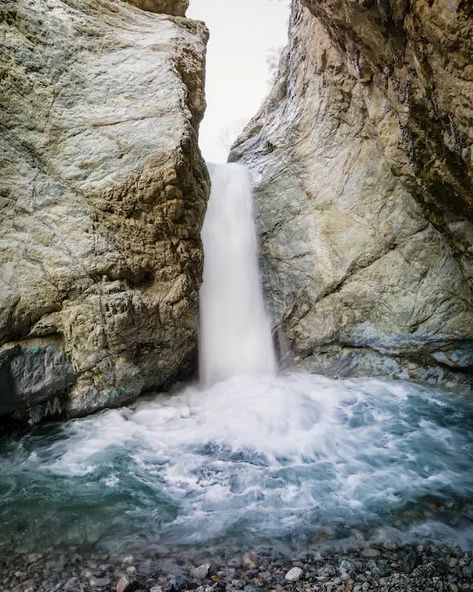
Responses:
[72,584]
[34,557]
[402,569]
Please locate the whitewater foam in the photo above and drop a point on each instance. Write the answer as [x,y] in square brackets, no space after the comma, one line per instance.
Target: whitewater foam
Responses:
[256,458]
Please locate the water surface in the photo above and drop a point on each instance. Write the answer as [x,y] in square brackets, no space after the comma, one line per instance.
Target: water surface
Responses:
[291,460]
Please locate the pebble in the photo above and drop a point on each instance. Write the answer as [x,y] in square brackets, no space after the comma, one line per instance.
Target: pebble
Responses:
[200,572]
[72,583]
[403,569]
[124,584]
[252,588]
[175,584]
[345,567]
[100,582]
[293,574]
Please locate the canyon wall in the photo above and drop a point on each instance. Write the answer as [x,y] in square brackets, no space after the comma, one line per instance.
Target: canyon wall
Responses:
[362,160]
[102,196]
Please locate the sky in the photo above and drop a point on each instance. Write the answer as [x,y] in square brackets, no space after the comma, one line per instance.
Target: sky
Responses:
[245,35]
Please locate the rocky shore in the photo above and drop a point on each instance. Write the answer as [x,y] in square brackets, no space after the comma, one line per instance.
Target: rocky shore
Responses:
[402,569]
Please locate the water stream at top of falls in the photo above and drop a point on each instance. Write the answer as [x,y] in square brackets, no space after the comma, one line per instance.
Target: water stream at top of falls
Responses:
[235,332]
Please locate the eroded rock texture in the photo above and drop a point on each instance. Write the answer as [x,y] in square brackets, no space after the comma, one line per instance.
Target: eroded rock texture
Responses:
[174,7]
[362,158]
[102,197]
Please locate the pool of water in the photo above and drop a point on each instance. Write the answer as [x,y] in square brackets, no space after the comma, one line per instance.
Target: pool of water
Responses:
[290,460]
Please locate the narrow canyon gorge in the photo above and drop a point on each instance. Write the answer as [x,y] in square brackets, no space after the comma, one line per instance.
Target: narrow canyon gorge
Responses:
[242,376]
[362,161]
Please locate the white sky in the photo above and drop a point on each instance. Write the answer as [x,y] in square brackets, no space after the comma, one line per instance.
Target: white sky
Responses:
[243,36]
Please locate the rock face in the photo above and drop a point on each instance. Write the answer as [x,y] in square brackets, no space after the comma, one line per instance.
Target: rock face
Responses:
[102,196]
[175,7]
[362,160]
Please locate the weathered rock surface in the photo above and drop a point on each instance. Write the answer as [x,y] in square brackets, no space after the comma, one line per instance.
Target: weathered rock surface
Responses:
[174,7]
[102,196]
[362,159]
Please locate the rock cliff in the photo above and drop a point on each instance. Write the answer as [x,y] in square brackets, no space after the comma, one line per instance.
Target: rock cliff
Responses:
[102,196]
[362,159]
[174,7]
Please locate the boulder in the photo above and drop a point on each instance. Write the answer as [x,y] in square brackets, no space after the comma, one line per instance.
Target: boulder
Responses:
[102,196]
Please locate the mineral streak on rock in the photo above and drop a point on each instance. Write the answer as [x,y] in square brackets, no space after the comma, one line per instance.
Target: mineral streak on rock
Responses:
[102,197]
[362,159]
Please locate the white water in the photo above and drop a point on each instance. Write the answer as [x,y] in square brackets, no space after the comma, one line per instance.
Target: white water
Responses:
[235,332]
[251,459]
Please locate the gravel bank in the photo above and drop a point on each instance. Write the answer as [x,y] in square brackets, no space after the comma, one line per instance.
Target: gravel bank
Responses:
[402,569]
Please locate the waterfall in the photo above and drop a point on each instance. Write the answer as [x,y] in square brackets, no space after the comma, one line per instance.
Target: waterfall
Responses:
[235,332]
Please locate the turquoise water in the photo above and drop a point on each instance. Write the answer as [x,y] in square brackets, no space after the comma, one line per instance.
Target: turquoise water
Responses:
[292,460]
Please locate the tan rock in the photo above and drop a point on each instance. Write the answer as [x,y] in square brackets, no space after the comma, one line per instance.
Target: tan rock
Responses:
[100,260]
[364,202]
[173,7]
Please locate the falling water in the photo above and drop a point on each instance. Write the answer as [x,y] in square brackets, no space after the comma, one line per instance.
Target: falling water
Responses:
[235,332]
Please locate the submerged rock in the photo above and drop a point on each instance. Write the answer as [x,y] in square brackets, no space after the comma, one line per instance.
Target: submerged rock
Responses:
[368,552]
[102,197]
[361,157]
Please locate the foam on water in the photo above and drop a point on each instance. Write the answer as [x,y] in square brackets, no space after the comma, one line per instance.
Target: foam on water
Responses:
[250,460]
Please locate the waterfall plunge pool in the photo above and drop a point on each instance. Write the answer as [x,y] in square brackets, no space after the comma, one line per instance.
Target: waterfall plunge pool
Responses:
[253,458]
[289,461]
